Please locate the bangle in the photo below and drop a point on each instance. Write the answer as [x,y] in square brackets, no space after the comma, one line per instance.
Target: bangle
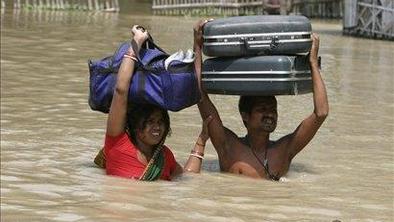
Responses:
[200,144]
[196,155]
[196,152]
[130,57]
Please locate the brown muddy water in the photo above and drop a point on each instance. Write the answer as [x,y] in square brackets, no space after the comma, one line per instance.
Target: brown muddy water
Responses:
[49,135]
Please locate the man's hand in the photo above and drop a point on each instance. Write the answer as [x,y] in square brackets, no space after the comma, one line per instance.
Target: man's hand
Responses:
[197,30]
[313,55]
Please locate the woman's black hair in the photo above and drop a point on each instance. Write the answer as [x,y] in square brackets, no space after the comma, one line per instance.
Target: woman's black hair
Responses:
[137,118]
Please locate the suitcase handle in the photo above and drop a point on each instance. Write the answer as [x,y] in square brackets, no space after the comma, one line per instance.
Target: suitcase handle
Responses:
[250,46]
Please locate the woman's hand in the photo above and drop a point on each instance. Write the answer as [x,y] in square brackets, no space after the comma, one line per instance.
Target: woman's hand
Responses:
[313,54]
[193,164]
[140,35]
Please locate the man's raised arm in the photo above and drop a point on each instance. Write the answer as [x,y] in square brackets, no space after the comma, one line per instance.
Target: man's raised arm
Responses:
[308,127]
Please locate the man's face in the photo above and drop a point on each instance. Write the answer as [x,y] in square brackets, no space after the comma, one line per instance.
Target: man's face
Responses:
[264,116]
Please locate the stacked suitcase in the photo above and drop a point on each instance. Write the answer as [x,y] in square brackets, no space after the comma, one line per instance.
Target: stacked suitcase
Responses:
[257,55]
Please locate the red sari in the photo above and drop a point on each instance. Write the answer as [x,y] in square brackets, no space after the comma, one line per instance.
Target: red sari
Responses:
[121,159]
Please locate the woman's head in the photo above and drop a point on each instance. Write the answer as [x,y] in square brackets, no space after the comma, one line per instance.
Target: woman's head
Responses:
[148,123]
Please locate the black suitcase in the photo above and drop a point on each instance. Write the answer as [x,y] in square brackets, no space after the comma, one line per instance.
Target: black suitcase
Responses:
[257,35]
[259,75]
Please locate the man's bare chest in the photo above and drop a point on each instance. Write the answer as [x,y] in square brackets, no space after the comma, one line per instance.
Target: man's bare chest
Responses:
[273,163]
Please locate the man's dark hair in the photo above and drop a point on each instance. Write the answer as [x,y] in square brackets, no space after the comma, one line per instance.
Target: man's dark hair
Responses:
[246,103]
[137,118]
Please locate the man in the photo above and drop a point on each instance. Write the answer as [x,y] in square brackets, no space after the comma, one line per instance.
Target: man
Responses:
[255,155]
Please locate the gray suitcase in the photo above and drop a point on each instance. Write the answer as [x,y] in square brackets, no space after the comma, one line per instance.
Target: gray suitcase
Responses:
[257,35]
[259,75]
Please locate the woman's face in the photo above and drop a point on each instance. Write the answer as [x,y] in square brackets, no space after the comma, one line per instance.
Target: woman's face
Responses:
[154,130]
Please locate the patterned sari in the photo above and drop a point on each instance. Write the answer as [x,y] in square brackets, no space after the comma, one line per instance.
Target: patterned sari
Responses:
[152,171]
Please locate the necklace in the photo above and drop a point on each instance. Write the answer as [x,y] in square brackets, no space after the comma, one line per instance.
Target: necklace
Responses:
[263,164]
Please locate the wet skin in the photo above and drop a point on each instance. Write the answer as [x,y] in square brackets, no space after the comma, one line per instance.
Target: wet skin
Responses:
[261,121]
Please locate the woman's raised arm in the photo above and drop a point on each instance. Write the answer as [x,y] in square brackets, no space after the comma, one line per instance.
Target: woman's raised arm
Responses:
[117,115]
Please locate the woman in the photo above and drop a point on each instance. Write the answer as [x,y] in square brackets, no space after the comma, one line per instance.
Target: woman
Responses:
[134,143]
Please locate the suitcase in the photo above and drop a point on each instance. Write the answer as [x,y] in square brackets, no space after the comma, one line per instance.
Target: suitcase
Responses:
[259,75]
[257,35]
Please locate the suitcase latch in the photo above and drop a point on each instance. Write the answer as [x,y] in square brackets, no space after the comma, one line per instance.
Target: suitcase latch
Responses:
[265,47]
[274,42]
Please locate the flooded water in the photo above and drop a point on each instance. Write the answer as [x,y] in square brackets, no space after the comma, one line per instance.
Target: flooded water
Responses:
[49,135]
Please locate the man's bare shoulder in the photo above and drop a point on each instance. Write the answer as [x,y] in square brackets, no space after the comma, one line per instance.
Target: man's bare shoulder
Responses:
[231,137]
[234,156]
[282,144]
[230,133]
[234,143]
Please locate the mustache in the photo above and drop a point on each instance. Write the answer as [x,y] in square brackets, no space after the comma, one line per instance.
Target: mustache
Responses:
[267,117]
[267,120]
